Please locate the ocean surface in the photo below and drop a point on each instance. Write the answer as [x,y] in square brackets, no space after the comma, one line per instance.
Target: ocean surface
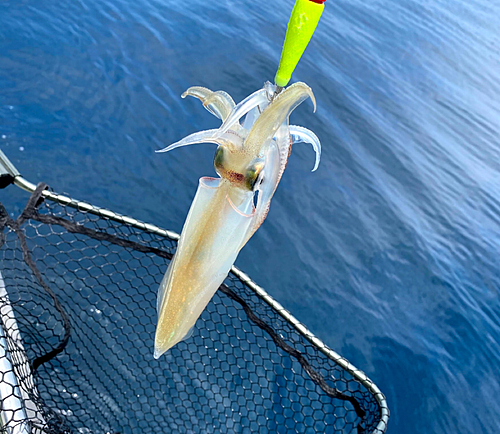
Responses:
[389,252]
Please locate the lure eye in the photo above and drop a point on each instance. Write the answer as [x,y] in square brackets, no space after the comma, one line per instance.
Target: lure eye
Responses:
[252,174]
[219,160]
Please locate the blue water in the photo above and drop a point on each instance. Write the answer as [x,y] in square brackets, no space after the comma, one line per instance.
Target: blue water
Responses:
[389,252]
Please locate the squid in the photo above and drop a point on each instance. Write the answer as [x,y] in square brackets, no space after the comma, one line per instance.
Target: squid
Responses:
[254,143]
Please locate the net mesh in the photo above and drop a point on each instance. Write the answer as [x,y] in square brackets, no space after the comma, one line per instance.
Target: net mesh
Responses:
[78,313]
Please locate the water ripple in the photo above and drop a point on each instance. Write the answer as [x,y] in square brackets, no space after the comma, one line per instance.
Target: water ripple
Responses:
[389,252]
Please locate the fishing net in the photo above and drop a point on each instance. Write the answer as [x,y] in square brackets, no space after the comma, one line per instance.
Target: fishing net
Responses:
[78,313]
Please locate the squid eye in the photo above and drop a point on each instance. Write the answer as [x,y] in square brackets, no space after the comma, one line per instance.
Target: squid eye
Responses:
[219,160]
[252,173]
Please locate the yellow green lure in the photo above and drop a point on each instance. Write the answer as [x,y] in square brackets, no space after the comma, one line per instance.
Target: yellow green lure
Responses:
[303,21]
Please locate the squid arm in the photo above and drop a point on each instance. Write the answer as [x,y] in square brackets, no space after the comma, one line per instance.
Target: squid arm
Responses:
[219,103]
[226,211]
[303,135]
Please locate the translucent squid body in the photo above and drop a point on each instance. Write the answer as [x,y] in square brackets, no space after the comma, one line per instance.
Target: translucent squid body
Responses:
[250,159]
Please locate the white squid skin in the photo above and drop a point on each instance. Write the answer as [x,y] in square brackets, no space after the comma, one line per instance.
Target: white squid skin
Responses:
[226,212]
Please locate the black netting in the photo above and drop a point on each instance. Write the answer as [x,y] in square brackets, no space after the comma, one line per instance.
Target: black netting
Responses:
[78,321]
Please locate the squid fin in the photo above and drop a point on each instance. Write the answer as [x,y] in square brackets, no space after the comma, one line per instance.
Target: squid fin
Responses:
[188,334]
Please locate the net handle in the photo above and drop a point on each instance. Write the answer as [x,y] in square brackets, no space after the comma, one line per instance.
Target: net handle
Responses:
[13,413]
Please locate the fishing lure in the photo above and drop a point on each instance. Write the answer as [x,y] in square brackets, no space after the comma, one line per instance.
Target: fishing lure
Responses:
[254,143]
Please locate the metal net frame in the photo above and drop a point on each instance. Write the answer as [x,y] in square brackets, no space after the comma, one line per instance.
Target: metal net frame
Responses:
[78,312]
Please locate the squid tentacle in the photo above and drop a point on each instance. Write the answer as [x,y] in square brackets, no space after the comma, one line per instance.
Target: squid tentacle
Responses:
[271,119]
[206,136]
[303,135]
[230,140]
[219,103]
[259,98]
